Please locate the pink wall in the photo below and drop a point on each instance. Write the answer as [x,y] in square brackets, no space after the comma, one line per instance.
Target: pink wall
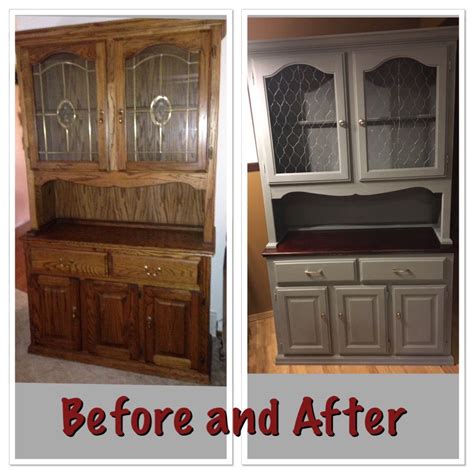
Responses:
[22,208]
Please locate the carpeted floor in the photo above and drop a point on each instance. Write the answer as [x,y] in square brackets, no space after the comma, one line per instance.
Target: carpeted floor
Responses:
[35,368]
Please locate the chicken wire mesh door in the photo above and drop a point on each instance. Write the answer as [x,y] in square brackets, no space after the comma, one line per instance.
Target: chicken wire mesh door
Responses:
[307,122]
[400,116]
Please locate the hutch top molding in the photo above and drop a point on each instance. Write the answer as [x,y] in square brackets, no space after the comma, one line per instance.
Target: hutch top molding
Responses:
[355,115]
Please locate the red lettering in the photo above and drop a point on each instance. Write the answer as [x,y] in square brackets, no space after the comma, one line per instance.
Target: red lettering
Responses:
[393,417]
[119,413]
[143,413]
[160,417]
[306,411]
[72,418]
[181,422]
[218,422]
[268,419]
[329,413]
[239,419]
[373,418]
[351,412]
[95,418]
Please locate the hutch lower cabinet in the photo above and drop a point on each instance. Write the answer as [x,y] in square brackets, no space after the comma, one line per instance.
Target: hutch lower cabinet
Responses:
[355,139]
[120,133]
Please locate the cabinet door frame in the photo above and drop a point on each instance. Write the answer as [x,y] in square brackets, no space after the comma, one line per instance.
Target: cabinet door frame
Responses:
[321,320]
[440,344]
[369,59]
[38,312]
[92,289]
[262,67]
[122,49]
[379,294]
[27,57]
[191,342]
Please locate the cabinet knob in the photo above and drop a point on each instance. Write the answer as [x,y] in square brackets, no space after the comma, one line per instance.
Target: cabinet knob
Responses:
[342,123]
[149,322]
[101,116]
[120,114]
[362,123]
[74,312]
[398,315]
[340,316]
[323,315]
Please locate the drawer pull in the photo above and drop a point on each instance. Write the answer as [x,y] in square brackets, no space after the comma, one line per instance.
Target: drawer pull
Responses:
[67,265]
[311,273]
[149,322]
[323,315]
[402,270]
[150,272]
[398,315]
[340,316]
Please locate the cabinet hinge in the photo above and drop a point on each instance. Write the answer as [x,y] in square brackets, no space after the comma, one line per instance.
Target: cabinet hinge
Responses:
[210,153]
[213,51]
[253,79]
[446,163]
[389,345]
[275,295]
[449,65]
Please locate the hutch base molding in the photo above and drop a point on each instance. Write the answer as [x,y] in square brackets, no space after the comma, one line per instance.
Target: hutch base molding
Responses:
[355,137]
[120,132]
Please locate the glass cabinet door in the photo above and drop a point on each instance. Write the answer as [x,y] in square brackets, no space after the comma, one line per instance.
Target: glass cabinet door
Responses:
[401,113]
[165,103]
[68,89]
[306,117]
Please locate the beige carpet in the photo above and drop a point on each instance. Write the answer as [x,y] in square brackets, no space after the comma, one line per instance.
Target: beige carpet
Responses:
[39,369]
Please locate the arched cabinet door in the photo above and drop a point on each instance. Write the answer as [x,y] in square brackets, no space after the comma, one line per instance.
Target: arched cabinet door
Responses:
[300,115]
[162,91]
[65,105]
[401,112]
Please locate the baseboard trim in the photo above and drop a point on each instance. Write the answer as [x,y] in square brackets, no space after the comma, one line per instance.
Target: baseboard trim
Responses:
[364,360]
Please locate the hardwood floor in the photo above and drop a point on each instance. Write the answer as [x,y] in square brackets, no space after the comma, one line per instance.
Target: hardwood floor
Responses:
[262,350]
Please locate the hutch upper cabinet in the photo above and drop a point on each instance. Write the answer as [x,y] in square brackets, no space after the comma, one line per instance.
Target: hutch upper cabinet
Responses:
[355,139]
[120,132]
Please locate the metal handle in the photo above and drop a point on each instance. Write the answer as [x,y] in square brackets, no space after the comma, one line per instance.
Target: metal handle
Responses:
[398,315]
[340,316]
[401,270]
[313,272]
[101,116]
[362,123]
[150,272]
[120,114]
[74,312]
[149,322]
[342,123]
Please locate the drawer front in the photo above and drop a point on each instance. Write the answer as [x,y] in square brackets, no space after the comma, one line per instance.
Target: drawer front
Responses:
[402,269]
[68,262]
[156,270]
[314,271]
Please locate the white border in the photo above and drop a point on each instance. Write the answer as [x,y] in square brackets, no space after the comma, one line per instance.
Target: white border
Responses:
[462,275]
[227,14]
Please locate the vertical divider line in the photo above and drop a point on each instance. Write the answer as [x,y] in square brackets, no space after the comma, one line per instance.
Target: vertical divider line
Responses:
[187,109]
[43,117]
[160,127]
[65,97]
[135,157]
[89,110]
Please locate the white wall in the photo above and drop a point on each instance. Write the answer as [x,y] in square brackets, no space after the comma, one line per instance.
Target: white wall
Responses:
[32,22]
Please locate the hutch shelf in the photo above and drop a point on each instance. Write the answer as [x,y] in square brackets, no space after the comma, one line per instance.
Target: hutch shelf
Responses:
[355,138]
[120,133]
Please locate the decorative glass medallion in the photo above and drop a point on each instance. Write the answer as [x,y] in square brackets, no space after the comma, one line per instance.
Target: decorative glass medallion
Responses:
[160,110]
[66,113]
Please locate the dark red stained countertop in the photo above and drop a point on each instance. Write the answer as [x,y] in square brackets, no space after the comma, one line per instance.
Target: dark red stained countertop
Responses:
[367,241]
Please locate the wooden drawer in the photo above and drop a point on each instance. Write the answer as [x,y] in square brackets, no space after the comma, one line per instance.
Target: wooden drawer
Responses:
[314,271]
[156,270]
[68,262]
[402,269]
